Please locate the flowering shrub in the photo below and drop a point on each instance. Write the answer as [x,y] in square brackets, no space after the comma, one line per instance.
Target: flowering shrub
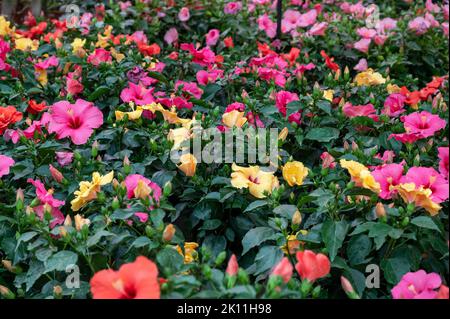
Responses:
[102,196]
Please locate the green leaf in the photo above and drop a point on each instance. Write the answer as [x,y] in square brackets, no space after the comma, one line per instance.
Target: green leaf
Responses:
[267,258]
[93,240]
[158,76]
[358,249]
[425,222]
[322,134]
[143,241]
[211,224]
[60,261]
[256,204]
[325,106]
[170,261]
[256,236]
[333,235]
[286,211]
[35,271]
[210,91]
[99,91]
[394,269]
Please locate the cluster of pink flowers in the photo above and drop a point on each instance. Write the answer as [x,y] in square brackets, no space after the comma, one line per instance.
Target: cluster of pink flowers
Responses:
[419,125]
[420,285]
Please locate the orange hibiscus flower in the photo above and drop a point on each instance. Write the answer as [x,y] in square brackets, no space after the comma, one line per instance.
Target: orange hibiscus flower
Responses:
[136,280]
[8,115]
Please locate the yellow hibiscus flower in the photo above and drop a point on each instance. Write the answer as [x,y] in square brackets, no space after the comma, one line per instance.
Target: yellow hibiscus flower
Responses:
[190,253]
[257,181]
[294,173]
[369,78]
[361,175]
[88,190]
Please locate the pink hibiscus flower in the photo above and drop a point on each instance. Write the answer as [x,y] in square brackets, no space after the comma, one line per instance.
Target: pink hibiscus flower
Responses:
[212,37]
[428,178]
[184,14]
[131,182]
[171,36]
[361,66]
[283,98]
[76,121]
[49,62]
[99,56]
[267,25]
[417,285]
[368,110]
[189,87]
[138,94]
[363,45]
[232,7]
[394,105]
[5,164]
[64,158]
[424,123]
[443,163]
[45,196]
[328,161]
[387,176]
[203,57]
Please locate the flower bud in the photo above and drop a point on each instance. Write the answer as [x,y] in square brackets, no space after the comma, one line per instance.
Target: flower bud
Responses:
[115,203]
[68,221]
[6,293]
[8,265]
[57,175]
[346,73]
[63,231]
[19,199]
[233,266]
[167,190]
[115,184]
[297,218]
[220,258]
[57,292]
[379,210]
[283,134]
[126,165]
[346,285]
[94,150]
[168,233]
[80,222]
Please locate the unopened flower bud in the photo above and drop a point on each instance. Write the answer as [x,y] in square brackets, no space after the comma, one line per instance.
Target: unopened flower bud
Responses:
[57,175]
[346,146]
[115,183]
[297,218]
[354,146]
[115,203]
[348,288]
[379,210]
[220,258]
[8,265]
[63,231]
[68,221]
[346,285]
[94,150]
[126,165]
[168,233]
[167,190]
[57,291]
[6,293]
[283,134]
[19,199]
[233,266]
